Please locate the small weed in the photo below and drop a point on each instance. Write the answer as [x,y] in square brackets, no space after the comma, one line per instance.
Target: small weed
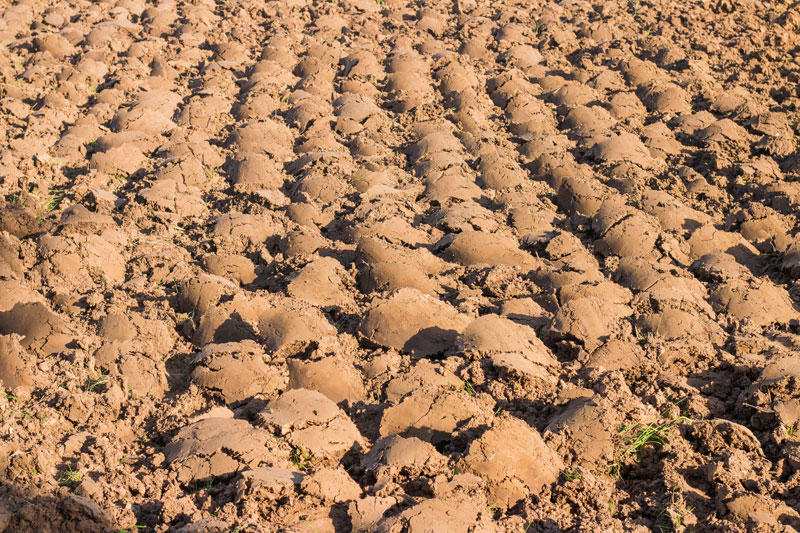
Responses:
[467,388]
[639,334]
[357,178]
[380,2]
[612,505]
[634,7]
[652,434]
[638,436]
[498,410]
[56,197]
[92,90]
[202,485]
[301,459]
[661,525]
[792,430]
[70,478]
[131,529]
[8,396]
[570,474]
[99,380]
[673,517]
[16,199]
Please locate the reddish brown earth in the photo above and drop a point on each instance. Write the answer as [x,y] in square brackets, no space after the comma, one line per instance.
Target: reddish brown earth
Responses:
[351,265]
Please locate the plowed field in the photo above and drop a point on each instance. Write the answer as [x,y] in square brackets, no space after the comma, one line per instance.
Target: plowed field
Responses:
[390,266]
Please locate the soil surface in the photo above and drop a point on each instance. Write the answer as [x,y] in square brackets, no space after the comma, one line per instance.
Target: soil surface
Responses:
[389,266]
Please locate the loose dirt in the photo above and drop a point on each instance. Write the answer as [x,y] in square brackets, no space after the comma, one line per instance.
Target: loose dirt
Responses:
[376,265]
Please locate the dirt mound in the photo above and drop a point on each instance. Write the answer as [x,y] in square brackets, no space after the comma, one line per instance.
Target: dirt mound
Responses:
[215,447]
[413,322]
[312,422]
[497,456]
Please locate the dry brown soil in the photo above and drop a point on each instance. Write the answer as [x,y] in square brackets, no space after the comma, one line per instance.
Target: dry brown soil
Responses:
[391,266]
